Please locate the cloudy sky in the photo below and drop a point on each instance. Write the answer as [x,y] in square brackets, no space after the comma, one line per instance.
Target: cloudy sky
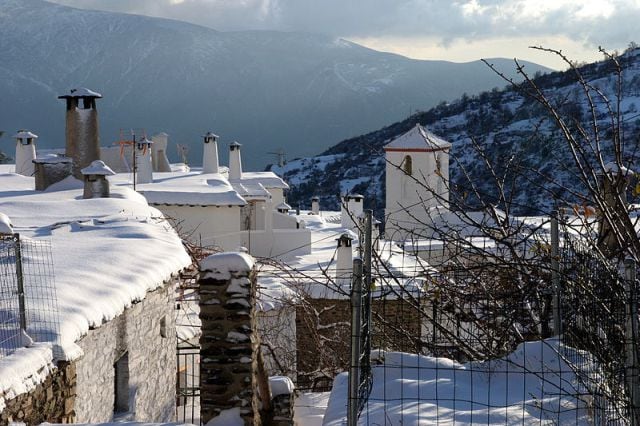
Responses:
[456,30]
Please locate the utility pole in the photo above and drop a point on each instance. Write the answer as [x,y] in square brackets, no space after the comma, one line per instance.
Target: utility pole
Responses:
[354,371]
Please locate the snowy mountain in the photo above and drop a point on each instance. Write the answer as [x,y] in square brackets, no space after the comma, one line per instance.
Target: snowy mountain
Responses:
[268,90]
[508,126]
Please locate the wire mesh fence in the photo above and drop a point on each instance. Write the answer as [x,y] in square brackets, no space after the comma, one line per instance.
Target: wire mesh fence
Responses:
[487,350]
[28,300]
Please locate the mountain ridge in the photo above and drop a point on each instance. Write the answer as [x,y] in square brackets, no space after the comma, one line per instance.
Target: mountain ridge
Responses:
[509,127]
[298,91]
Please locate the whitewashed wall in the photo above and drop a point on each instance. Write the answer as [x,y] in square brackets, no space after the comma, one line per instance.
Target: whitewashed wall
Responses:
[210,225]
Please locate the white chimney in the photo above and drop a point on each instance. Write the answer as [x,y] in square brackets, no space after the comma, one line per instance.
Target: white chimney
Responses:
[283,208]
[96,184]
[235,162]
[25,152]
[159,152]
[144,165]
[351,209]
[344,262]
[210,155]
[315,205]
[268,216]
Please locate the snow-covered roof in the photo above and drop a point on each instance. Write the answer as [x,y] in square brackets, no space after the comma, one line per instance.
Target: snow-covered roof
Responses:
[98,167]
[81,92]
[25,134]
[316,271]
[251,190]
[180,188]
[107,252]
[267,179]
[417,139]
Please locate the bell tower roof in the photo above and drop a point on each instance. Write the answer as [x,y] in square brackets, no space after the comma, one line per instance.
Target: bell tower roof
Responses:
[418,139]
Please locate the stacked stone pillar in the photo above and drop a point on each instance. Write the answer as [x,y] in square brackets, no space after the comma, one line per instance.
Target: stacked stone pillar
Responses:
[229,343]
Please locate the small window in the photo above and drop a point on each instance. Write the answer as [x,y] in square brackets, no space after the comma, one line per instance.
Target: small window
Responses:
[163,327]
[121,384]
[407,165]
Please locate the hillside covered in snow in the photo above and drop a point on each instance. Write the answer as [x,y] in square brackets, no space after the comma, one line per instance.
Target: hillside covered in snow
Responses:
[512,131]
[268,90]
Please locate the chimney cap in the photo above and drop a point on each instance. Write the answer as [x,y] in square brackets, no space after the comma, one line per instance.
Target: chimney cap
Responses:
[144,141]
[211,135]
[283,206]
[345,238]
[99,168]
[81,92]
[52,159]
[25,134]
[353,197]
[233,145]
[315,198]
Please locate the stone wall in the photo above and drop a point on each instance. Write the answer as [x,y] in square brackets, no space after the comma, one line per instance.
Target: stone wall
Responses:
[51,401]
[146,334]
[323,335]
[229,343]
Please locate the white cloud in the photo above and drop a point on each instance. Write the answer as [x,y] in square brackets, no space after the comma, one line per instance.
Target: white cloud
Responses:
[610,23]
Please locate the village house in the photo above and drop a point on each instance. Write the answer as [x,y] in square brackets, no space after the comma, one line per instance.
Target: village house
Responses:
[98,267]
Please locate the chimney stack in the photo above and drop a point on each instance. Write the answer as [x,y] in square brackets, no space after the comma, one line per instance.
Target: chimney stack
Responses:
[51,169]
[82,137]
[159,152]
[235,162]
[344,263]
[351,209]
[96,184]
[315,205]
[144,165]
[210,154]
[25,152]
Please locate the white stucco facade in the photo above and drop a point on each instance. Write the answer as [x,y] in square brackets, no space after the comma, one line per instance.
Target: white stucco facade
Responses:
[207,225]
[417,179]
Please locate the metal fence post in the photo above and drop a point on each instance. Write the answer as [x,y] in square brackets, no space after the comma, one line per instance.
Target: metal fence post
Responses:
[356,321]
[631,342]
[20,280]
[555,274]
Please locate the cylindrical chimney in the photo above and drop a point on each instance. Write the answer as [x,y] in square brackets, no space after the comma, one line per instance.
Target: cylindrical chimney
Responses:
[210,162]
[235,162]
[344,262]
[315,205]
[351,209]
[144,164]
[25,152]
[82,136]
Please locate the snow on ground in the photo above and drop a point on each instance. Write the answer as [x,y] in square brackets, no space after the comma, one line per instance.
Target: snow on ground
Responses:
[532,385]
[309,408]
[107,253]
